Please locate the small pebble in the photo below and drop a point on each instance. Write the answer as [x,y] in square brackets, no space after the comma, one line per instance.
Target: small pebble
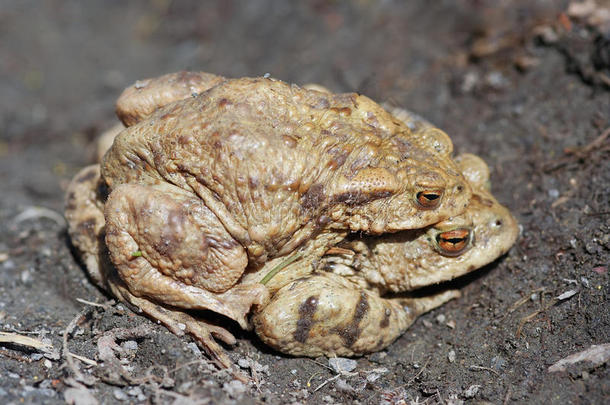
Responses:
[553,193]
[585,282]
[498,362]
[47,363]
[372,377]
[130,345]
[471,391]
[342,365]
[534,297]
[119,395]
[427,323]
[378,357]
[234,388]
[451,324]
[567,295]
[451,356]
[194,348]
[573,243]
[342,385]
[135,391]
[259,368]
[441,318]
[243,363]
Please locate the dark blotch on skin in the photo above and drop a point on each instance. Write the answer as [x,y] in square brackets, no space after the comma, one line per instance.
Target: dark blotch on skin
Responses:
[339,157]
[404,146]
[321,104]
[350,332]
[385,322]
[224,102]
[306,312]
[169,239]
[355,198]
[86,176]
[71,201]
[484,201]
[314,197]
[87,227]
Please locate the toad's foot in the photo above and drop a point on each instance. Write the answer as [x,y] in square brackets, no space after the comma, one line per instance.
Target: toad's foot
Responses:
[178,322]
[327,315]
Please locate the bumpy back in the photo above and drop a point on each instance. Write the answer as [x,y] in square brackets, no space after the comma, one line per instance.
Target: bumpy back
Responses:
[276,163]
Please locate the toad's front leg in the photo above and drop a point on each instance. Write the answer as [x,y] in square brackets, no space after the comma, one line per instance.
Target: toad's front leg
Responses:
[324,314]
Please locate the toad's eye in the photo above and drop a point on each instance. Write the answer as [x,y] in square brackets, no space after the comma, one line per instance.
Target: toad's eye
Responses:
[453,243]
[429,199]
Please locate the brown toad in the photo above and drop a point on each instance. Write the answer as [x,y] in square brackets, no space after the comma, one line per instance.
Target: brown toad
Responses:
[349,302]
[197,199]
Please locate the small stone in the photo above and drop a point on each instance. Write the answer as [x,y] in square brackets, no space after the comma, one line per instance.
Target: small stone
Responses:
[342,385]
[451,356]
[534,297]
[36,356]
[585,282]
[234,388]
[378,357]
[194,348]
[553,193]
[372,377]
[471,391]
[119,395]
[130,345]
[441,318]
[243,363]
[342,365]
[451,324]
[259,368]
[566,295]
[497,362]
[427,323]
[327,399]
[47,363]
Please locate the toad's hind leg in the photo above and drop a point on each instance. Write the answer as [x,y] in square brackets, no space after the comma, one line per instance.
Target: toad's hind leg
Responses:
[179,323]
[171,253]
[327,315]
[169,247]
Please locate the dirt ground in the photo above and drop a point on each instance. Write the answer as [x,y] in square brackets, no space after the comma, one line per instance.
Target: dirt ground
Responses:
[523,84]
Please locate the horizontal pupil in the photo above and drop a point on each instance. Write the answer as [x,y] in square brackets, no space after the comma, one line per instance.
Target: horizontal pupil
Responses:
[431,196]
